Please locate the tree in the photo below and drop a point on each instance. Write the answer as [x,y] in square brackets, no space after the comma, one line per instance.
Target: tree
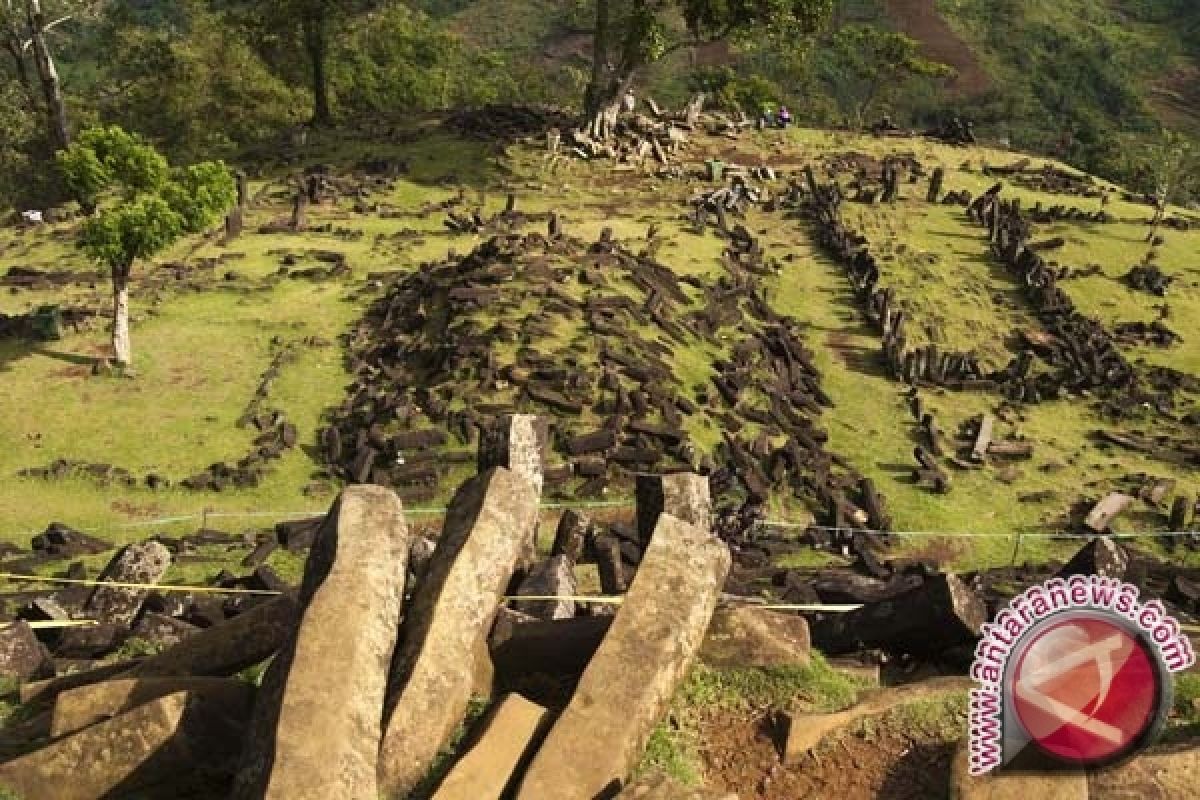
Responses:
[154,206]
[873,63]
[631,34]
[312,25]
[187,84]
[1167,162]
[26,33]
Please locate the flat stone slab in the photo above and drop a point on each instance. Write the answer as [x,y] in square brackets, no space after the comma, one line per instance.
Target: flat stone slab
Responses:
[597,741]
[661,787]
[1016,785]
[510,734]
[229,647]
[318,720]
[807,730]
[76,709]
[488,525]
[157,742]
[1162,773]
[50,688]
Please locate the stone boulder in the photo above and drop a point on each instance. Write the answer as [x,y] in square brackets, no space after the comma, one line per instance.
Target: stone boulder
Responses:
[753,637]
[141,563]
[509,735]
[22,656]
[158,742]
[554,577]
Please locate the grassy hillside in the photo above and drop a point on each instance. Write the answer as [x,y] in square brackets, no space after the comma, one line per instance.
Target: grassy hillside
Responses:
[208,326]
[1089,81]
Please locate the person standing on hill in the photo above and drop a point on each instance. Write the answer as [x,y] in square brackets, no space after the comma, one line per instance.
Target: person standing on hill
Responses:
[785,117]
[768,115]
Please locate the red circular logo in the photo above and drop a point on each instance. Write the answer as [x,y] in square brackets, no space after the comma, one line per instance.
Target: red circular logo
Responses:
[1086,689]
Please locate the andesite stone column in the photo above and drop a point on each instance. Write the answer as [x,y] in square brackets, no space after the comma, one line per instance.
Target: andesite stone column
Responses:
[487,526]
[654,638]
[318,720]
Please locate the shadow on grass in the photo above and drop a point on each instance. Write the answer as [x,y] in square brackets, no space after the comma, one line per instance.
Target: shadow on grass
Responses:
[69,358]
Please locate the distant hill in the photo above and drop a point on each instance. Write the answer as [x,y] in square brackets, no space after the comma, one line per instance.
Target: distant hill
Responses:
[1062,78]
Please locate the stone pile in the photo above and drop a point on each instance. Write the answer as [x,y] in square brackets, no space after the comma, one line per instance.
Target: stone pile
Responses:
[506,123]
[462,327]
[1154,333]
[26,326]
[953,130]
[1060,213]
[1149,278]
[1048,179]
[41,279]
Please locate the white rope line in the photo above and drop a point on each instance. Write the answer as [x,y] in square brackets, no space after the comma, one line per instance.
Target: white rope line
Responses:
[976,534]
[778,524]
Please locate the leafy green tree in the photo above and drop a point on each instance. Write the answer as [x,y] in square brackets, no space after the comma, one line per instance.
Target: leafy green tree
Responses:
[312,27]
[152,207]
[192,86]
[629,35]
[873,63]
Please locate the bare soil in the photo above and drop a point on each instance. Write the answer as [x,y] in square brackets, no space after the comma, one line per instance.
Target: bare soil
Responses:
[920,20]
[742,754]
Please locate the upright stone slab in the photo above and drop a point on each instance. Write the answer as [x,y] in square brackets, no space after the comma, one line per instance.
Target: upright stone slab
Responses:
[510,735]
[160,741]
[317,723]
[22,656]
[683,495]
[76,709]
[627,687]
[141,563]
[229,647]
[488,524]
[516,442]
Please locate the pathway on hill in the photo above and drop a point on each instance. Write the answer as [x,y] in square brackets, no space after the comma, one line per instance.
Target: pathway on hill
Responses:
[921,20]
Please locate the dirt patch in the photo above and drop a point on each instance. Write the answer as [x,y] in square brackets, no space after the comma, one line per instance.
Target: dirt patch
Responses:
[920,20]
[1176,98]
[137,511]
[739,754]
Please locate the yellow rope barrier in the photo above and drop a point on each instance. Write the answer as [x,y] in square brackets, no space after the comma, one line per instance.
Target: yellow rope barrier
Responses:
[45,624]
[599,599]
[155,587]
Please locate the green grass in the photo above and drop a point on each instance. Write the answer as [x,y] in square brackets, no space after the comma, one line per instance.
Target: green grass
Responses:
[199,354]
[672,747]
[939,719]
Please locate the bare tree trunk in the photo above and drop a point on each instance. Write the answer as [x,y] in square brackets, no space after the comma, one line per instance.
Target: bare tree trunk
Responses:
[12,43]
[592,98]
[122,347]
[316,46]
[51,87]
